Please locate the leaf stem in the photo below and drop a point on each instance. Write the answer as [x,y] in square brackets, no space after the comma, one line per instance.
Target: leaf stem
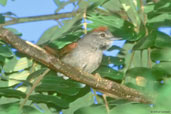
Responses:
[36,82]
[149,58]
[39,18]
[129,65]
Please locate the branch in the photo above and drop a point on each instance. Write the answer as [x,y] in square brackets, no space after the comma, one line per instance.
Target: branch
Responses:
[39,18]
[55,64]
[51,17]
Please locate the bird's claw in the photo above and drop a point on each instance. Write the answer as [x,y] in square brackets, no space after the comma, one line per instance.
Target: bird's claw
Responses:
[97,75]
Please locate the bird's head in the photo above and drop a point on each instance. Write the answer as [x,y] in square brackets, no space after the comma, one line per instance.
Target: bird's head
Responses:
[100,38]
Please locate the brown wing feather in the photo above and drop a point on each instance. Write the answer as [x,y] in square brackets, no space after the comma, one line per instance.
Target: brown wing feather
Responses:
[68,48]
[62,52]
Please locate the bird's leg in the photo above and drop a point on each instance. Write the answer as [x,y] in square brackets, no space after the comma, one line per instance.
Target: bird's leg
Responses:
[97,75]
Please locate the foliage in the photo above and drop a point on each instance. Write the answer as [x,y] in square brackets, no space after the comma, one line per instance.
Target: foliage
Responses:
[3,2]
[143,63]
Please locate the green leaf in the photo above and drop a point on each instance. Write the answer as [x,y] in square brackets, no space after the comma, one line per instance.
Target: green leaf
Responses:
[140,58]
[128,32]
[5,51]
[145,77]
[100,20]
[162,4]
[159,14]
[3,83]
[148,8]
[165,66]
[2,42]
[58,2]
[2,59]
[142,78]
[36,74]
[48,99]
[163,40]
[14,31]
[107,72]
[155,73]
[128,108]
[163,54]
[91,110]
[54,78]
[3,2]
[147,73]
[17,65]
[115,48]
[130,8]
[48,35]
[112,60]
[55,32]
[116,25]
[5,100]
[160,18]
[139,71]
[2,19]
[13,108]
[63,89]
[159,73]
[54,83]
[109,5]
[131,74]
[67,39]
[163,97]
[84,101]
[145,42]
[9,108]
[16,78]
[83,4]
[11,93]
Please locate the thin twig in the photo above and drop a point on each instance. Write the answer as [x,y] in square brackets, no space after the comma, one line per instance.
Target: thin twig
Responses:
[141,58]
[46,17]
[145,17]
[155,1]
[85,22]
[146,32]
[129,65]
[39,18]
[36,82]
[149,58]
[130,62]
[106,103]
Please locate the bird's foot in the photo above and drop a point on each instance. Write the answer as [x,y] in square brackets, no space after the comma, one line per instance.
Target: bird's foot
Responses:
[97,75]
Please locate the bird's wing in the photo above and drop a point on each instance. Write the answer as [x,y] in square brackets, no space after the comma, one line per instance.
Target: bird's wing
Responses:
[62,52]
[68,48]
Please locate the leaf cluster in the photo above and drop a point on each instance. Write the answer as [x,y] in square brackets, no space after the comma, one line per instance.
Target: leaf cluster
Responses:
[143,63]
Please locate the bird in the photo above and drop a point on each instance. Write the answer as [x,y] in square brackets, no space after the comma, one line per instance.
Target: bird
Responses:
[87,53]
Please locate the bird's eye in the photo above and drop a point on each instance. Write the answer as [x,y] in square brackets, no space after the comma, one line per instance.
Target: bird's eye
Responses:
[102,35]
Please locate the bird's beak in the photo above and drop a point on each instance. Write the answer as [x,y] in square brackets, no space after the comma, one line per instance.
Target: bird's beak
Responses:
[116,38]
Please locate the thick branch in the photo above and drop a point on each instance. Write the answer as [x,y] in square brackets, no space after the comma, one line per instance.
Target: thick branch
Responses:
[39,18]
[54,63]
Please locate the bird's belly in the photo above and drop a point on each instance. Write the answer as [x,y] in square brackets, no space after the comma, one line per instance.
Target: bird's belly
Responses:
[86,61]
[92,63]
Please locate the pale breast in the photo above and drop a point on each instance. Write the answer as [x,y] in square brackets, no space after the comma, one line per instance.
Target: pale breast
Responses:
[87,60]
